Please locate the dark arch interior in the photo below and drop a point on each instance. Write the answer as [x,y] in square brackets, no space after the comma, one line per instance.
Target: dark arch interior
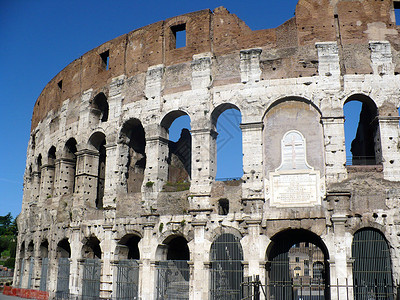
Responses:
[91,249]
[98,140]
[180,152]
[293,257]
[63,249]
[132,249]
[71,149]
[52,155]
[44,249]
[178,249]
[100,103]
[133,135]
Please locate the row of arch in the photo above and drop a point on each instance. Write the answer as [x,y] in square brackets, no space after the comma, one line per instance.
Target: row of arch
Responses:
[294,256]
[365,148]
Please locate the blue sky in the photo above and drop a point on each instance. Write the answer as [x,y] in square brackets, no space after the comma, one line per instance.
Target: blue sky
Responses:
[39,38]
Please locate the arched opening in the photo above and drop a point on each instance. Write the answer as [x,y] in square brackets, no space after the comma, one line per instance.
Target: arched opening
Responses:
[98,141]
[223,207]
[39,173]
[44,260]
[134,143]
[63,255]
[226,120]
[372,267]
[361,131]
[128,267]
[173,269]
[226,267]
[91,265]
[31,260]
[100,107]
[50,172]
[69,165]
[176,126]
[21,264]
[290,255]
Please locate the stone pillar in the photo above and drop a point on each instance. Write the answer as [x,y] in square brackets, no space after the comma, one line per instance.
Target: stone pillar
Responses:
[201,70]
[340,264]
[156,162]
[147,276]
[108,246]
[64,177]
[53,268]
[199,254]
[111,177]
[335,153]
[253,245]
[381,58]
[36,178]
[252,186]
[204,167]
[328,66]
[47,185]
[153,86]
[250,70]
[389,139]
[75,277]
[87,177]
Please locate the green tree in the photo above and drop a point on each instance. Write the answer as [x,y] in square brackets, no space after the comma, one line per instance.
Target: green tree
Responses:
[8,239]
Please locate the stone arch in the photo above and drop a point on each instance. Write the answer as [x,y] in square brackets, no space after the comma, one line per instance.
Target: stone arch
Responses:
[173,268]
[365,148]
[98,141]
[288,114]
[43,264]
[281,100]
[67,166]
[63,255]
[226,256]
[228,230]
[180,152]
[91,248]
[133,141]
[63,249]
[293,248]
[128,247]
[372,267]
[227,144]
[99,107]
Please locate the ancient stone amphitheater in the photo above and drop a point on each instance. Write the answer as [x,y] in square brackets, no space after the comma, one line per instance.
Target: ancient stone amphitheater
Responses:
[113,209]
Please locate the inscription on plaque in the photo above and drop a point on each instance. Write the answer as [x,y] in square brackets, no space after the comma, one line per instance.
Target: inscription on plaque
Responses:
[294,183]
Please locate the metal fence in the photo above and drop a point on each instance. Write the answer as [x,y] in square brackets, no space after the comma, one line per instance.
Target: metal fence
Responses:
[62,291]
[127,279]
[91,279]
[43,274]
[253,289]
[226,268]
[30,274]
[172,280]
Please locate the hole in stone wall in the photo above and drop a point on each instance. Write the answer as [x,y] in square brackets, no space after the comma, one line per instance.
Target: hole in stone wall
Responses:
[361,131]
[98,140]
[105,58]
[100,107]
[223,207]
[91,249]
[178,249]
[178,39]
[226,119]
[130,249]
[177,126]
[70,154]
[59,84]
[133,137]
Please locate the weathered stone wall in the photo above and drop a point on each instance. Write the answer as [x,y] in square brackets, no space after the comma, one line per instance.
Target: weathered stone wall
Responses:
[295,77]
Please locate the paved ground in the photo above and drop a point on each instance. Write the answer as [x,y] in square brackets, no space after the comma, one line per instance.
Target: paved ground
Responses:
[4,297]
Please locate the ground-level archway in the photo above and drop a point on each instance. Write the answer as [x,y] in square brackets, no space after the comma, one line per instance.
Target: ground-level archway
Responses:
[293,257]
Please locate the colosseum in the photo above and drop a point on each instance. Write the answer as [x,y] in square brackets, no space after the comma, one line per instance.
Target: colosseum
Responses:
[114,209]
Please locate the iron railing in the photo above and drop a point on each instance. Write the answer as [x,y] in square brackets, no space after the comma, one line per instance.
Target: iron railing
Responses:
[172,280]
[253,289]
[360,160]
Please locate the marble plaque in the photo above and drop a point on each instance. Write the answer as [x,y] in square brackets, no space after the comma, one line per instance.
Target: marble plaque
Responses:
[294,183]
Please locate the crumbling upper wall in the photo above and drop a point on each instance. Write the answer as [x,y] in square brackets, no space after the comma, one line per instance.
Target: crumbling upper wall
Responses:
[288,48]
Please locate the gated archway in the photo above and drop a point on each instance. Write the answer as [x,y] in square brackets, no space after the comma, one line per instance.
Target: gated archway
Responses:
[297,266]
[372,268]
[226,268]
